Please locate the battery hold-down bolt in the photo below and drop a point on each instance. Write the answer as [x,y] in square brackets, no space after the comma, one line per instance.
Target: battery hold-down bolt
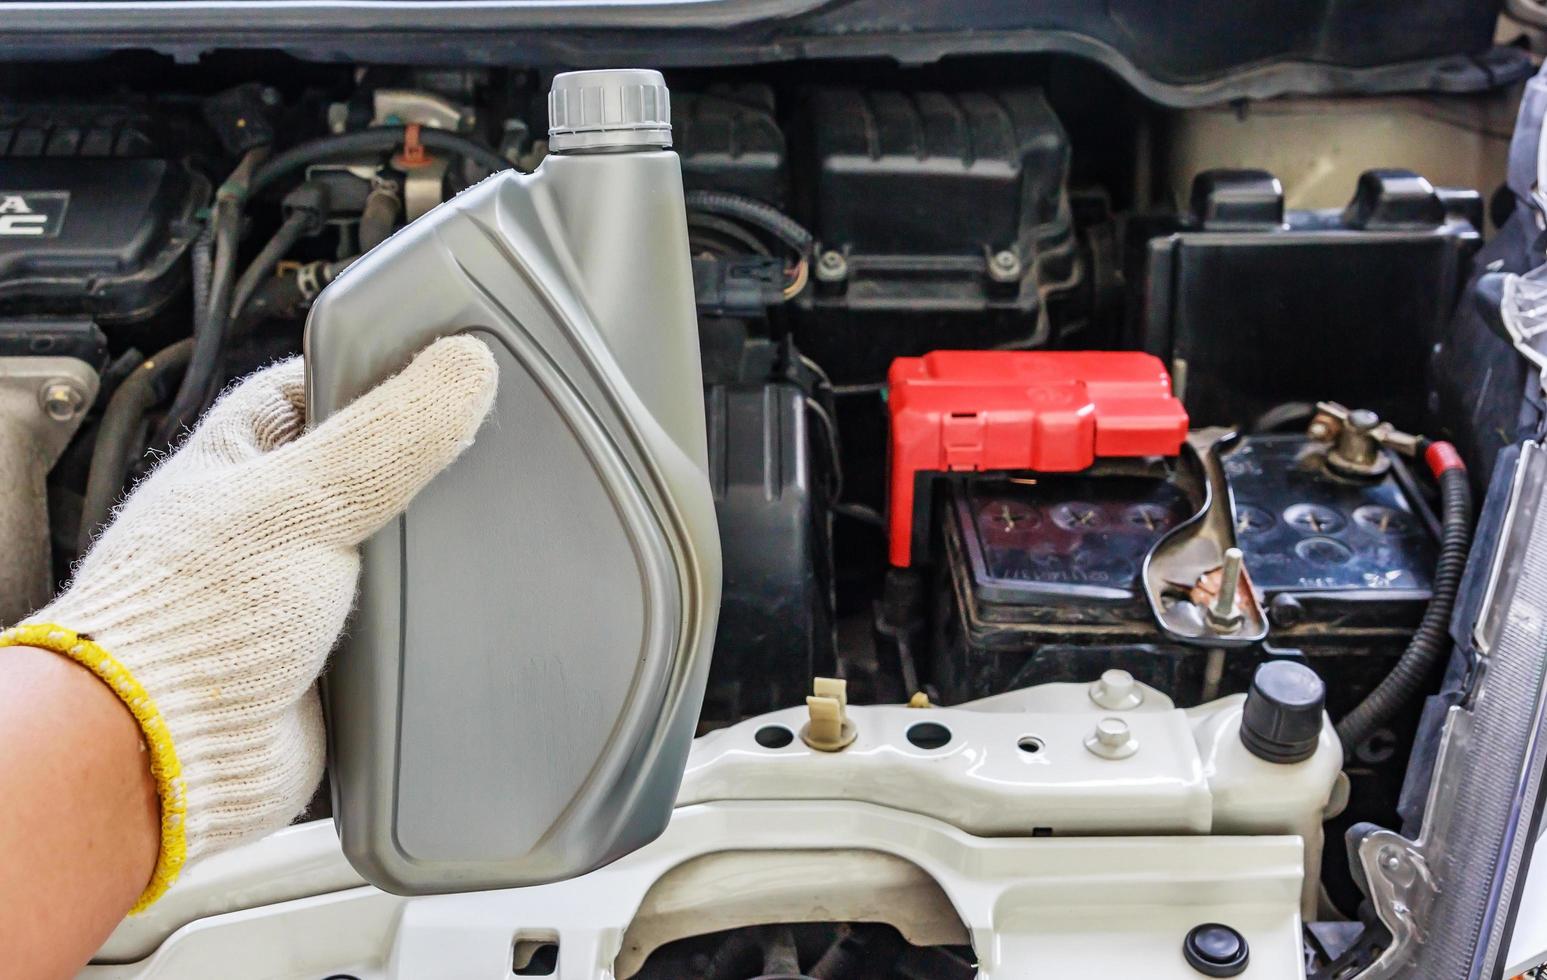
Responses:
[61,400]
[1221,611]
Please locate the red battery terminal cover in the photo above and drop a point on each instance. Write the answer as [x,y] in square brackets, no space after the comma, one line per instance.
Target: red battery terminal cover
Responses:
[1041,411]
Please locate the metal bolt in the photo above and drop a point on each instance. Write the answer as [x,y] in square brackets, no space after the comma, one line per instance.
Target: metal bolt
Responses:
[831,266]
[1004,266]
[1357,449]
[62,400]
[1322,428]
[1363,420]
[1389,859]
[1222,612]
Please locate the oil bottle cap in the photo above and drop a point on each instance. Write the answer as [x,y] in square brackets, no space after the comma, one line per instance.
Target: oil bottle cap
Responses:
[1281,720]
[608,109]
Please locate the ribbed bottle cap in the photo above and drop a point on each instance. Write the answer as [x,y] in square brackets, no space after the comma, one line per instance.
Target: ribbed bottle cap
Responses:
[1281,720]
[614,108]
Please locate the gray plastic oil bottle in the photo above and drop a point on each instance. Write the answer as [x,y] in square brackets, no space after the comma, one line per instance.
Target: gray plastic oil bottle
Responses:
[518,690]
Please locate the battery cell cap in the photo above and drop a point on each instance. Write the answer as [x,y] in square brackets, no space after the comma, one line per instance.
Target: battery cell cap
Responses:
[1038,411]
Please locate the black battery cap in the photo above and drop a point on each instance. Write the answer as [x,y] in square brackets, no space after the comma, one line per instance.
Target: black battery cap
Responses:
[1281,721]
[1216,950]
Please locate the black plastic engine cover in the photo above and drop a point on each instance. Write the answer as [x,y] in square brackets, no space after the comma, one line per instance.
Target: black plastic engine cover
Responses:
[729,140]
[100,238]
[930,173]
[950,213]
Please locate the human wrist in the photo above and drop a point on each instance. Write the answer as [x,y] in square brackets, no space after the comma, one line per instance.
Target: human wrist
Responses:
[160,761]
[77,716]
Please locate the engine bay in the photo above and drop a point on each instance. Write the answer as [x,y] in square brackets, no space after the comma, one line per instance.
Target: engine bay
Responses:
[1067,465]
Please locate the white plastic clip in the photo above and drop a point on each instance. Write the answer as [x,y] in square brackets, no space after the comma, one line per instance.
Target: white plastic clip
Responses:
[829,728]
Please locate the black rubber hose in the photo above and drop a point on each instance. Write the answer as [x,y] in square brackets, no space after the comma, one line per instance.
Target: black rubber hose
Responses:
[765,216]
[118,447]
[209,331]
[262,265]
[118,433]
[1432,639]
[225,304]
[203,263]
[225,227]
[378,139]
[379,216]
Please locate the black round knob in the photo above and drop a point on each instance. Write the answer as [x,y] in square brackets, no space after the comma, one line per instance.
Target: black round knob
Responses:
[1285,610]
[1216,950]
[1281,721]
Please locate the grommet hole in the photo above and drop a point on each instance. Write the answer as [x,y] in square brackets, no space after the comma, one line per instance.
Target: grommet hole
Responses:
[929,735]
[774,736]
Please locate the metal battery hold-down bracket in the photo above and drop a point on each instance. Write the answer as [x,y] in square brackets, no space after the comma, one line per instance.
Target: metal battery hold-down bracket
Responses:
[1197,586]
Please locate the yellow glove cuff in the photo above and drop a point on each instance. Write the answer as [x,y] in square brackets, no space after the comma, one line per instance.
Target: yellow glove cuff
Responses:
[168,772]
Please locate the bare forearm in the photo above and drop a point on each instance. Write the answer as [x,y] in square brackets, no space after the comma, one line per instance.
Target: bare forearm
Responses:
[79,826]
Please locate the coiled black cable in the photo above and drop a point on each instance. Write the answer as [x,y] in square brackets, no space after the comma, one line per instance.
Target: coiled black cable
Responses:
[764,216]
[1432,638]
[722,232]
[377,139]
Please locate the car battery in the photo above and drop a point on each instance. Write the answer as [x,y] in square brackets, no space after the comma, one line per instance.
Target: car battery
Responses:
[1344,565]
[1040,579]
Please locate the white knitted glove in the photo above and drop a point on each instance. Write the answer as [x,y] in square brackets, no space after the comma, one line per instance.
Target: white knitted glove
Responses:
[213,599]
